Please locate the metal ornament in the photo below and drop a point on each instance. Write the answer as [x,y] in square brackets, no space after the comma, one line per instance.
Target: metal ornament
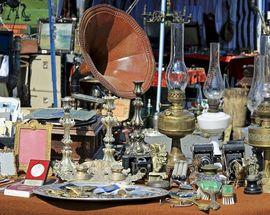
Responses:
[175,122]
[66,168]
[211,187]
[137,145]
[253,187]
[109,121]
[259,136]
[159,160]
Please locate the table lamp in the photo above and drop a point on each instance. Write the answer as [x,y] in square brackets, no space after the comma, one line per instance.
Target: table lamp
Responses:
[259,132]
[213,121]
[175,122]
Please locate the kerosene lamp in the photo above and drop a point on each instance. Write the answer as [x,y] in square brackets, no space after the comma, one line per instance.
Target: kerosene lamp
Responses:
[175,122]
[259,132]
[214,122]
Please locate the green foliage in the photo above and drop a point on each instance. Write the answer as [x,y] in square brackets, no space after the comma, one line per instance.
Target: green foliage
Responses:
[37,9]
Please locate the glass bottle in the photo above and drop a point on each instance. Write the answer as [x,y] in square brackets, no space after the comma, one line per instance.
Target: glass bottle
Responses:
[176,72]
[255,96]
[214,86]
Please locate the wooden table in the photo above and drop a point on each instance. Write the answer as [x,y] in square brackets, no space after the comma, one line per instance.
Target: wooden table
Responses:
[246,205]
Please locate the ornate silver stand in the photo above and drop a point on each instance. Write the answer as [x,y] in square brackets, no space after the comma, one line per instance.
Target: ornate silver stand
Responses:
[109,121]
[137,145]
[66,168]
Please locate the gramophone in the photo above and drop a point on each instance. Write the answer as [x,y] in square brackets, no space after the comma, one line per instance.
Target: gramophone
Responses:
[118,53]
[116,50]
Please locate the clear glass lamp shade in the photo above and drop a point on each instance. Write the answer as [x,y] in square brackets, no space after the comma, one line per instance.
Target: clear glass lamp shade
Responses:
[176,73]
[265,66]
[177,76]
[214,85]
[255,95]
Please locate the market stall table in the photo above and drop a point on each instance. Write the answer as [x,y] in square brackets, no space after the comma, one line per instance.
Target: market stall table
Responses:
[246,204]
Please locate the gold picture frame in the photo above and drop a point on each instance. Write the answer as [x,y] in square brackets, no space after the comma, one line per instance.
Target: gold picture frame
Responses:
[32,141]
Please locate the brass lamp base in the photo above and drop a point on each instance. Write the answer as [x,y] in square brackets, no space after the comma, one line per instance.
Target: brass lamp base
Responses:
[259,136]
[175,122]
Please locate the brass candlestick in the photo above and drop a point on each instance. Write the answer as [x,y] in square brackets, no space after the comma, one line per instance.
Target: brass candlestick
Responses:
[109,121]
[175,122]
[259,136]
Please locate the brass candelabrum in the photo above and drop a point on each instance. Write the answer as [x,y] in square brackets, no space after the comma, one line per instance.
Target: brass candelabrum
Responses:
[159,16]
[175,122]
[66,168]
[109,121]
[259,137]
[137,146]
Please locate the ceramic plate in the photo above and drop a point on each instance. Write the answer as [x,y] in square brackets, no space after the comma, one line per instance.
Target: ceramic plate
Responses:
[137,192]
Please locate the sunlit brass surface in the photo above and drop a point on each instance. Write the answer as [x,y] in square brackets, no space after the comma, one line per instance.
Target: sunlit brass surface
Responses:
[175,122]
[259,136]
[209,169]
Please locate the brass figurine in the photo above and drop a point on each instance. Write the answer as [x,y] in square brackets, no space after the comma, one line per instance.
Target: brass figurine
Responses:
[159,160]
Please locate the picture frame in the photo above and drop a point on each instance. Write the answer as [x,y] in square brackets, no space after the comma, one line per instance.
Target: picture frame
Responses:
[37,172]
[64,36]
[32,141]
[7,163]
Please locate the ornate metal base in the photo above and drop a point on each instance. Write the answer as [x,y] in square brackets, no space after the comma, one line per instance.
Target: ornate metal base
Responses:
[157,176]
[252,186]
[108,154]
[175,155]
[260,138]
[175,122]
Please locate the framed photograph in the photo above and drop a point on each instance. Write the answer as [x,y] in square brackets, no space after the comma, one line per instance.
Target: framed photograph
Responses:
[7,163]
[32,141]
[64,36]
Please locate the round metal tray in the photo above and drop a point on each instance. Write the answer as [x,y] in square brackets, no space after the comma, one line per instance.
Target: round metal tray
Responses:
[151,192]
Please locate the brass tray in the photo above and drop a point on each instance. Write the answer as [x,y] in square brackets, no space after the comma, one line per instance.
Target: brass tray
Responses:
[136,192]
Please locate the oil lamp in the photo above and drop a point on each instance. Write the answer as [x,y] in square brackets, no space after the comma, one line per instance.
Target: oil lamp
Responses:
[175,122]
[259,132]
[213,121]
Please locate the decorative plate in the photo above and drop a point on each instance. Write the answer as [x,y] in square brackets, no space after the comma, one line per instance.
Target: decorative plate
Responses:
[87,191]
